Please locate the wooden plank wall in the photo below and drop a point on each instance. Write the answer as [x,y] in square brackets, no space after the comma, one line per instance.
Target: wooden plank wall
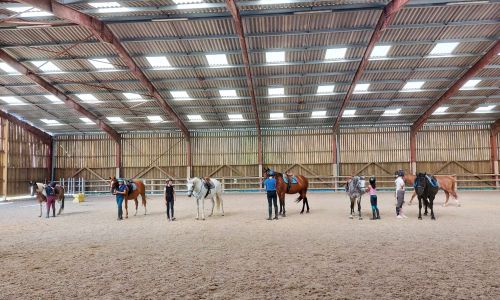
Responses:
[27,160]
[377,151]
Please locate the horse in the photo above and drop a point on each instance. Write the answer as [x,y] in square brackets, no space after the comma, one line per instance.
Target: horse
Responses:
[446,182]
[355,188]
[140,190]
[39,189]
[426,192]
[296,188]
[196,187]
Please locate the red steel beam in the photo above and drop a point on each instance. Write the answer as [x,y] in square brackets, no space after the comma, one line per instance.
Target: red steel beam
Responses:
[384,21]
[42,135]
[104,33]
[246,61]
[56,92]
[478,66]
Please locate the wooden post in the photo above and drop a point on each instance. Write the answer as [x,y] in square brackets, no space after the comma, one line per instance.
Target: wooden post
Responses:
[5,156]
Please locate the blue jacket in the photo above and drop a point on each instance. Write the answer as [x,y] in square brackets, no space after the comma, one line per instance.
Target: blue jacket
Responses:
[121,188]
[49,191]
[270,184]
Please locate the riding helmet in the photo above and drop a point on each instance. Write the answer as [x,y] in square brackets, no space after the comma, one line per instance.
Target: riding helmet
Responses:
[372,179]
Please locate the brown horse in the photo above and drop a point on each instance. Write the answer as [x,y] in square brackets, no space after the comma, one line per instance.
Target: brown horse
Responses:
[446,182]
[134,195]
[281,188]
[37,188]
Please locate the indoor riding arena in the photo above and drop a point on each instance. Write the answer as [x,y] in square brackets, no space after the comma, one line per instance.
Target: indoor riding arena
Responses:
[249,149]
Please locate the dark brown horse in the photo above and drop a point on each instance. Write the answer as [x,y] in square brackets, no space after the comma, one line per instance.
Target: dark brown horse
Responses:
[447,183]
[295,188]
[134,195]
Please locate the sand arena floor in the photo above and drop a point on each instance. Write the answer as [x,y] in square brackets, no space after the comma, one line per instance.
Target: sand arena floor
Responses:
[87,254]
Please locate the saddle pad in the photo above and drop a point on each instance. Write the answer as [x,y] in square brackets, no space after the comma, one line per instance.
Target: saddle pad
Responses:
[132,186]
[432,180]
[294,179]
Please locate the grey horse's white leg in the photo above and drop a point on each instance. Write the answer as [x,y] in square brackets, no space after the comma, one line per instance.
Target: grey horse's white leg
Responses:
[359,208]
[41,203]
[213,205]
[197,209]
[202,208]
[221,203]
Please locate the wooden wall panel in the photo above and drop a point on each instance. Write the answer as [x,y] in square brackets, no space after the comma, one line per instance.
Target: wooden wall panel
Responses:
[453,143]
[27,160]
[287,147]
[364,145]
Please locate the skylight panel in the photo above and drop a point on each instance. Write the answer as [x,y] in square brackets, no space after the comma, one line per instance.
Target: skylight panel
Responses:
[28,11]
[195,118]
[228,93]
[275,57]
[53,99]
[187,1]
[50,122]
[470,84]
[155,119]
[325,89]
[380,51]
[217,59]
[276,116]
[349,113]
[361,87]
[443,48]
[392,112]
[235,117]
[158,61]
[89,98]
[115,120]
[11,100]
[276,91]
[133,96]
[335,53]
[413,85]
[104,4]
[101,63]
[179,95]
[484,109]
[318,114]
[440,110]
[87,121]
[8,69]
[46,66]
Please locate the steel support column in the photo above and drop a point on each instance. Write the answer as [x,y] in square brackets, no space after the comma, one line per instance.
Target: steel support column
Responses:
[235,13]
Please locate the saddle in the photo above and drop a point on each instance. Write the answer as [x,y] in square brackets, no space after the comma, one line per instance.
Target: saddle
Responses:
[131,186]
[432,180]
[294,179]
[208,183]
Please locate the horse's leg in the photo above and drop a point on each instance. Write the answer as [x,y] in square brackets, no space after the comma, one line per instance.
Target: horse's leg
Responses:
[359,208]
[455,196]
[419,208]
[447,198]
[412,196]
[213,205]
[136,205]
[143,198]
[303,203]
[307,203]
[431,204]
[197,209]
[426,203]
[41,203]
[202,208]
[126,208]
[282,204]
[221,203]
[352,208]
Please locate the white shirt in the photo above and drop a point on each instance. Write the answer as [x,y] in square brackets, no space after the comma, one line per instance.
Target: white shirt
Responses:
[400,184]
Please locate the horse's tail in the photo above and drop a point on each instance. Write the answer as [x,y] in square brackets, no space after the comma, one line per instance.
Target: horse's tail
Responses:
[453,191]
[62,200]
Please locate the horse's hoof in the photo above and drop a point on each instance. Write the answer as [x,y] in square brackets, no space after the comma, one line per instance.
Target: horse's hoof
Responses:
[351,217]
[209,216]
[203,219]
[360,218]
[222,215]
[283,215]
[420,218]
[307,212]
[301,212]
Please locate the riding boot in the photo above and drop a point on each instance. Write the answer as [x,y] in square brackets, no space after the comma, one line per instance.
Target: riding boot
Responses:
[276,216]
[270,217]
[373,214]
[378,213]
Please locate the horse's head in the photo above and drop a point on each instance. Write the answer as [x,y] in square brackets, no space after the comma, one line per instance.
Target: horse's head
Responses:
[33,187]
[113,183]
[420,183]
[190,186]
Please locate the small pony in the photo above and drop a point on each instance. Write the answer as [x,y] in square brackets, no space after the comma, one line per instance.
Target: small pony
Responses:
[132,195]
[355,188]
[426,192]
[197,188]
[38,189]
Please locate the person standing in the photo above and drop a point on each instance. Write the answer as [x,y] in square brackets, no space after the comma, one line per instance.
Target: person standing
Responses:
[400,195]
[120,192]
[51,198]
[169,199]
[372,189]
[270,186]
